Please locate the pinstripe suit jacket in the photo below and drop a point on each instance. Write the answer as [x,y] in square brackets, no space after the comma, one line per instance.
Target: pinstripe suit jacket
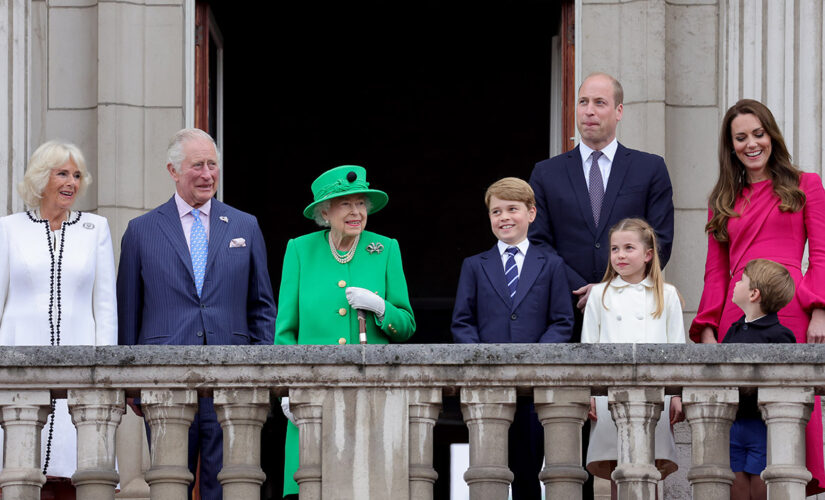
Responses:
[157,299]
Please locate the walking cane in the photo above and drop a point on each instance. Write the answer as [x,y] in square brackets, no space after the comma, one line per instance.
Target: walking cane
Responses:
[362,326]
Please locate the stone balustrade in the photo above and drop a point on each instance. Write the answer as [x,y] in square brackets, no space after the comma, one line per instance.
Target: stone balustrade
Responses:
[366,413]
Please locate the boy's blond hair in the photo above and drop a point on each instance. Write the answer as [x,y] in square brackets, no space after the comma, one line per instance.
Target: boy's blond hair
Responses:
[512,189]
[774,282]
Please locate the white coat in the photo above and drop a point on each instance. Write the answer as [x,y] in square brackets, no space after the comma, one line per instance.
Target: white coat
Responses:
[88,309]
[626,315]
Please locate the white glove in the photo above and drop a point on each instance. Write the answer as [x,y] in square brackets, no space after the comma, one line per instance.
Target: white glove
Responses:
[285,408]
[361,298]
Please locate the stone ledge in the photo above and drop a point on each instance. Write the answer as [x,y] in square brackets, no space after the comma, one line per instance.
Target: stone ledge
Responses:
[414,354]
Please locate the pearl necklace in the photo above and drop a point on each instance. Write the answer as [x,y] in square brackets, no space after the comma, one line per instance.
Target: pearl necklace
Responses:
[347,256]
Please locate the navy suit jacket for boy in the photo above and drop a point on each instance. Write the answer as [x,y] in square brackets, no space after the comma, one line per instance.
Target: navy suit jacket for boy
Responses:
[539,312]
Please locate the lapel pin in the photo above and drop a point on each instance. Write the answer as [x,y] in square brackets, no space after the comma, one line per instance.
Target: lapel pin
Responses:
[375,248]
[224,218]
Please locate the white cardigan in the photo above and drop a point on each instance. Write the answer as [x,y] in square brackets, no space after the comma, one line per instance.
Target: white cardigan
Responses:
[88,309]
[628,316]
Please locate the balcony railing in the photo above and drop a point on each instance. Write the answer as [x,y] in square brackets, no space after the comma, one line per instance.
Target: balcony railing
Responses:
[366,414]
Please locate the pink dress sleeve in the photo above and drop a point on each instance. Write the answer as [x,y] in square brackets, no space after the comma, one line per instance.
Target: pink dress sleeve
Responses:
[811,292]
[715,291]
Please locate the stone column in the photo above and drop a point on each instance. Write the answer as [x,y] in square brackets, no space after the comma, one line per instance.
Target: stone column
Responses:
[307,407]
[636,411]
[96,413]
[488,413]
[786,412]
[424,407]
[242,413]
[169,413]
[562,412]
[22,415]
[710,411]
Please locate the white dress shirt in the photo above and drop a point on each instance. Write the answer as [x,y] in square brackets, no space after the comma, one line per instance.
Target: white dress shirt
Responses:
[605,161]
[522,251]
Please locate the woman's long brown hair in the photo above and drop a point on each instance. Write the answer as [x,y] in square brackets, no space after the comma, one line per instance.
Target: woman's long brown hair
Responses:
[733,177]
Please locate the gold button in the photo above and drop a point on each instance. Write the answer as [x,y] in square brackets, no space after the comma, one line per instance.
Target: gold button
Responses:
[342,284]
[342,311]
[342,341]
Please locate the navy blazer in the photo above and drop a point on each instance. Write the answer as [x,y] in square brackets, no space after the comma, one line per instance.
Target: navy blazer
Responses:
[157,299]
[539,312]
[638,186]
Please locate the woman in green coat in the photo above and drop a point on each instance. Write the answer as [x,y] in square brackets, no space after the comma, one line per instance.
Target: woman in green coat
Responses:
[330,274]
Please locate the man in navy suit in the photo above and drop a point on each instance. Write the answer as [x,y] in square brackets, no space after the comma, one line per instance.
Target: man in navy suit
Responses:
[515,292]
[573,217]
[578,204]
[193,272]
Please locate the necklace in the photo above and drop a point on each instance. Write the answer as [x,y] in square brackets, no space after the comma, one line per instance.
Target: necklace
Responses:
[343,259]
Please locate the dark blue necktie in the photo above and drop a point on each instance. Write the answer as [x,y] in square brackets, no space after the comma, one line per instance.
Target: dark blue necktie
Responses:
[511,270]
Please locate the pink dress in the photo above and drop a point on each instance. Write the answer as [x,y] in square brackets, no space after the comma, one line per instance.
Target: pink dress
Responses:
[763,231]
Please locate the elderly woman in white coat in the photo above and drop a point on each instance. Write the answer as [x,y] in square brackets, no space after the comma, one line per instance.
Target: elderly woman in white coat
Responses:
[57,281]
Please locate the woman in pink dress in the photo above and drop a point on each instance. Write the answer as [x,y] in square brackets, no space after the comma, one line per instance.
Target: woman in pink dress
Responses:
[764,207]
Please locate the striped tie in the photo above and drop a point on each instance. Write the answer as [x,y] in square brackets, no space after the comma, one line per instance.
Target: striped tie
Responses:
[511,270]
[197,248]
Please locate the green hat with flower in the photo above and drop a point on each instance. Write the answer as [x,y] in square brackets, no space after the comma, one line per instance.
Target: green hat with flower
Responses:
[344,181]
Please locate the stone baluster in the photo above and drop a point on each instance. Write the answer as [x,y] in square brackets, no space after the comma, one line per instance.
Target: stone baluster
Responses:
[169,413]
[488,413]
[636,411]
[424,407]
[786,412]
[307,407]
[710,411]
[96,414]
[22,415]
[562,411]
[241,413]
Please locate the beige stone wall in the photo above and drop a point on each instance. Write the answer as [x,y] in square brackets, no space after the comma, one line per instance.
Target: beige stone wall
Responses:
[665,55]
[108,76]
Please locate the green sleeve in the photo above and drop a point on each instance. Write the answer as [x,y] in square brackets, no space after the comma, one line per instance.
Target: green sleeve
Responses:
[286,325]
[399,322]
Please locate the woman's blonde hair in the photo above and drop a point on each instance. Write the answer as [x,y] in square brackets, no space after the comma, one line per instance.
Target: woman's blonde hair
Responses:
[653,268]
[47,157]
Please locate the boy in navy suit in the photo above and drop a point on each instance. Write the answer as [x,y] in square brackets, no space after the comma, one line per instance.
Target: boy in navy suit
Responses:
[765,288]
[515,292]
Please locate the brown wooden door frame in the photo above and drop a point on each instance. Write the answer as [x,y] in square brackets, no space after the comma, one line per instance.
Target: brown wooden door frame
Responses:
[568,91]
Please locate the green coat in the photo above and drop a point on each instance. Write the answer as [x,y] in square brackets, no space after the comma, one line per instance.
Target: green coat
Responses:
[313,308]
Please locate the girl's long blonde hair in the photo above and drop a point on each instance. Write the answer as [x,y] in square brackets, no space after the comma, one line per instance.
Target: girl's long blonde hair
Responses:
[653,268]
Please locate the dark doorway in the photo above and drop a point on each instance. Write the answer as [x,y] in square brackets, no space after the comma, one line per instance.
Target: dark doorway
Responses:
[436,99]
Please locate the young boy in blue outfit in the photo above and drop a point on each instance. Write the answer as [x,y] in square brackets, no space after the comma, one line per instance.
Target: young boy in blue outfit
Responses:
[514,293]
[765,288]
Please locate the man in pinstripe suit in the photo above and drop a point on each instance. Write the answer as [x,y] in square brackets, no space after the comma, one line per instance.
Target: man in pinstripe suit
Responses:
[193,272]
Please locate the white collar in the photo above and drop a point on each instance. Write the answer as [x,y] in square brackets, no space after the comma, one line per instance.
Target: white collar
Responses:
[609,151]
[523,246]
[618,282]
[184,208]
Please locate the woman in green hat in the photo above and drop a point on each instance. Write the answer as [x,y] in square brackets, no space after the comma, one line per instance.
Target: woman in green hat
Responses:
[331,274]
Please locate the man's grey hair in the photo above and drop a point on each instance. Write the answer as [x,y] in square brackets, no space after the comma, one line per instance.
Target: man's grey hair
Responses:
[174,154]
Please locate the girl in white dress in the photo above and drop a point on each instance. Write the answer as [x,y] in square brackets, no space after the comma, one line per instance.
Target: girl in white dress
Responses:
[632,304]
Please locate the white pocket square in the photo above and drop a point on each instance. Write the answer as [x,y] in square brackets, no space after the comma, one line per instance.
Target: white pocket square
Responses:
[237,243]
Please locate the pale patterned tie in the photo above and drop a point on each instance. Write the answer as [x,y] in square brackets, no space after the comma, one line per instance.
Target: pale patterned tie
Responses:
[197,248]
[596,186]
[511,270]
